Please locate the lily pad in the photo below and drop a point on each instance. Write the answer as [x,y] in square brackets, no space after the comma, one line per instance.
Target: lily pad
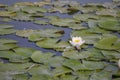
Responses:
[22,16]
[59,71]
[108,43]
[89,37]
[85,17]
[33,9]
[5,26]
[52,44]
[107,12]
[103,75]
[38,56]
[110,25]
[85,65]
[7,14]
[7,31]
[24,33]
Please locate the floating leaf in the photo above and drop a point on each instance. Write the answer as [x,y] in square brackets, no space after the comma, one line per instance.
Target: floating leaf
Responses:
[40,22]
[24,33]
[7,31]
[38,56]
[116,0]
[37,69]
[62,21]
[85,17]
[68,77]
[5,26]
[3,5]
[20,77]
[89,37]
[110,25]
[72,54]
[85,65]
[42,77]
[108,43]
[25,52]
[84,75]
[107,12]
[33,9]
[22,16]
[52,44]
[7,14]
[73,64]
[7,41]
[58,71]
[103,75]
[111,55]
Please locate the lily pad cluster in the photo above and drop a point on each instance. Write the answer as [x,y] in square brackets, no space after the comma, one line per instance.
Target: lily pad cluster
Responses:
[97,23]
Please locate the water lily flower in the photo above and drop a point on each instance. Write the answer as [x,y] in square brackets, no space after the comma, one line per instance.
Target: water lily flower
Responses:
[77,42]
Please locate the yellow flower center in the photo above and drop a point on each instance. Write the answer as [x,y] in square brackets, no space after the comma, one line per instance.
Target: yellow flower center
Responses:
[76,40]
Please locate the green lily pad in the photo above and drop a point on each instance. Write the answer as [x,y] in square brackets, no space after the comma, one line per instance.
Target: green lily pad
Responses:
[62,21]
[3,5]
[33,9]
[20,77]
[85,17]
[52,44]
[23,51]
[103,75]
[5,26]
[73,64]
[37,69]
[68,77]
[110,25]
[107,12]
[38,56]
[55,61]
[89,37]
[24,33]
[84,75]
[7,14]
[72,54]
[7,46]
[59,71]
[108,43]
[7,41]
[111,54]
[116,0]
[7,31]
[85,65]
[22,16]
[42,22]
[35,35]
[42,77]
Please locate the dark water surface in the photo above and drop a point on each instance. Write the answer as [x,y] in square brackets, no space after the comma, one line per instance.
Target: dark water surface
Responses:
[29,25]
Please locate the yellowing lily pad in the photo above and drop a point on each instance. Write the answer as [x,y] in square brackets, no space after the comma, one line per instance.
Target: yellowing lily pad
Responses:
[7,14]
